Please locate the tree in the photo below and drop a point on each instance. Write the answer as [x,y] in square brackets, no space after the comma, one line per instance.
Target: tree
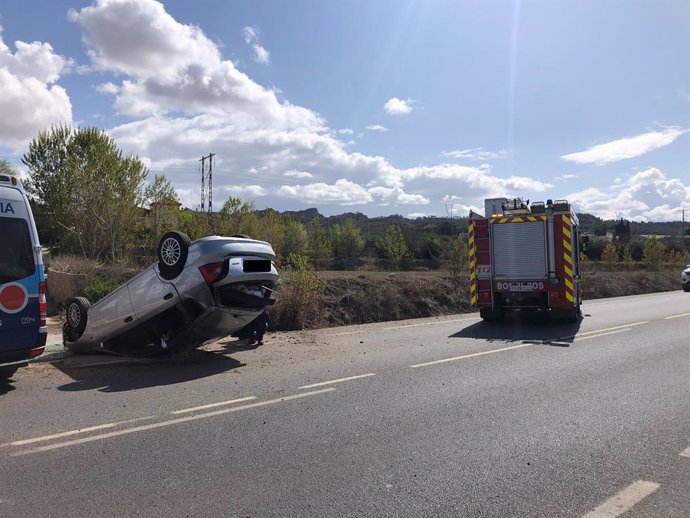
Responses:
[237,217]
[295,239]
[627,255]
[458,259]
[394,247]
[653,252]
[348,242]
[94,193]
[610,254]
[8,168]
[164,206]
[319,248]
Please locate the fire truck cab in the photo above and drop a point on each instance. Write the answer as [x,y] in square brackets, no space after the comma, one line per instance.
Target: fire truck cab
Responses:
[524,258]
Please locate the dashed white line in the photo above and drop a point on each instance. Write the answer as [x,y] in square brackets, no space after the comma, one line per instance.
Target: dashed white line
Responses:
[472,355]
[677,316]
[624,500]
[69,433]
[212,405]
[169,422]
[685,452]
[339,380]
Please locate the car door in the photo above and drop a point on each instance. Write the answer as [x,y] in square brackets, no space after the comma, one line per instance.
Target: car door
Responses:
[150,295]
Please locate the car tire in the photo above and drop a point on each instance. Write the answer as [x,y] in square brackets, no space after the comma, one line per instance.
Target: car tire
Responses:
[686,288]
[243,236]
[76,315]
[172,254]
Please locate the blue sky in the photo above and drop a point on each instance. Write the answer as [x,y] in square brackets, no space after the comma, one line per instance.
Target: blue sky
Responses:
[407,107]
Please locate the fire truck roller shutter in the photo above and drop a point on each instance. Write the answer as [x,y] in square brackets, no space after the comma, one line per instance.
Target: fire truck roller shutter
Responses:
[525,240]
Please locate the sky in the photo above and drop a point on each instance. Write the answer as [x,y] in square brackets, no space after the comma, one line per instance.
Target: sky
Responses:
[383,107]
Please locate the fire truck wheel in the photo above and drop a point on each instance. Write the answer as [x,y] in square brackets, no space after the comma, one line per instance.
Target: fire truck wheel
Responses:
[490,315]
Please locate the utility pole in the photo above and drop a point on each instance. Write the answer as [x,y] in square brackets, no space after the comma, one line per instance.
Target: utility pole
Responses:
[210,182]
[203,187]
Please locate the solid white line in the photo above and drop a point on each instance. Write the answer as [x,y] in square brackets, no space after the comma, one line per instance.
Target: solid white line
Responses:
[612,328]
[677,316]
[105,426]
[212,405]
[340,380]
[685,452]
[578,339]
[430,323]
[493,351]
[170,422]
[624,500]
[606,300]
[348,333]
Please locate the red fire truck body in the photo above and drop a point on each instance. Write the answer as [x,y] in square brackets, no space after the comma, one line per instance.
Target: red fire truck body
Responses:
[524,258]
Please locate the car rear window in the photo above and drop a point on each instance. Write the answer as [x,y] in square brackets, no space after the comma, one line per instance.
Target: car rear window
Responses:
[16,255]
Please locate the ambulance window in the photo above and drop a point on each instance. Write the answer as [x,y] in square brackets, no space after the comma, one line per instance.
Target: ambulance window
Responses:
[16,255]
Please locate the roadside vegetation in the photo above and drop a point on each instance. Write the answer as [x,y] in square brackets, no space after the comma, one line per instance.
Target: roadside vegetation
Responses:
[102,215]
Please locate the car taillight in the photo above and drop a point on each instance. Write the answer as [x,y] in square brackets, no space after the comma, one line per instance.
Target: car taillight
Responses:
[212,272]
[36,352]
[42,304]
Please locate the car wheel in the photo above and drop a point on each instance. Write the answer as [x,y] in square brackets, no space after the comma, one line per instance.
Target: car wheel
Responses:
[243,236]
[686,288]
[172,254]
[75,318]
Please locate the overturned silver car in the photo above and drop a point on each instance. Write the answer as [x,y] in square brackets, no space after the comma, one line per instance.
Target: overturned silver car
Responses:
[198,291]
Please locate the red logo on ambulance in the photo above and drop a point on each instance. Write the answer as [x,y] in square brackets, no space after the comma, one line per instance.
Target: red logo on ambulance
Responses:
[13,297]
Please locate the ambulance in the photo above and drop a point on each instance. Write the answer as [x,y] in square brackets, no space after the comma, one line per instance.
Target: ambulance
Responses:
[23,328]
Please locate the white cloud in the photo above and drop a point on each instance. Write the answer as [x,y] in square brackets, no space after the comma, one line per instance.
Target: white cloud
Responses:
[565,177]
[192,105]
[376,127]
[30,101]
[297,174]
[629,147]
[343,192]
[646,196]
[397,196]
[245,190]
[475,154]
[261,55]
[345,131]
[395,106]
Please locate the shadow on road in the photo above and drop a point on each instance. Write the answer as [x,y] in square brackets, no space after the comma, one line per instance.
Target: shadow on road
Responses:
[6,386]
[124,374]
[524,328]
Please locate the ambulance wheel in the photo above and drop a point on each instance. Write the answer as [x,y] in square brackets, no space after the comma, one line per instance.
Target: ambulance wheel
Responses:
[172,254]
[75,318]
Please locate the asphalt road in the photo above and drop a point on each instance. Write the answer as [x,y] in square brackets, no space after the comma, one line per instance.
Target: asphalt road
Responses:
[434,417]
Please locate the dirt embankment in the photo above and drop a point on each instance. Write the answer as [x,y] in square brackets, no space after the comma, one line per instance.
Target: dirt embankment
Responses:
[364,297]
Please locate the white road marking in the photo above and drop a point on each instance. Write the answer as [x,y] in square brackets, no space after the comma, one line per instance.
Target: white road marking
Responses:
[624,500]
[347,333]
[212,405]
[340,380]
[601,302]
[613,328]
[579,339]
[169,422]
[403,326]
[105,426]
[685,452]
[677,316]
[493,351]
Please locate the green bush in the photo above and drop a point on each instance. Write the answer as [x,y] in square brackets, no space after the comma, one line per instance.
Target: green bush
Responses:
[99,287]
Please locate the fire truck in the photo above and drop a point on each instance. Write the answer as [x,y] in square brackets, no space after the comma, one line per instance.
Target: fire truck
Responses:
[524,257]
